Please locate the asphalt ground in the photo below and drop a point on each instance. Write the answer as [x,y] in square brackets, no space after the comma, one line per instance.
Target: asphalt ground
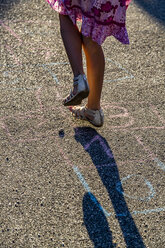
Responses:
[64,183]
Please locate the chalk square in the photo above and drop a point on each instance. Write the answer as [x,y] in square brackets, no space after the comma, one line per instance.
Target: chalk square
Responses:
[118,69]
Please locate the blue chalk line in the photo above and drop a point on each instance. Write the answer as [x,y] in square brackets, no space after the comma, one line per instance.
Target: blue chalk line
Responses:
[152,192]
[107,214]
[87,188]
[160,164]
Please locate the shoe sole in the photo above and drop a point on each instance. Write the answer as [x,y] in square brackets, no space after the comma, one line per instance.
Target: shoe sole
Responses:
[77,99]
[96,125]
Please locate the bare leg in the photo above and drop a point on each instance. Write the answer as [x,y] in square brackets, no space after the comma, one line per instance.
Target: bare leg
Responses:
[72,40]
[95,71]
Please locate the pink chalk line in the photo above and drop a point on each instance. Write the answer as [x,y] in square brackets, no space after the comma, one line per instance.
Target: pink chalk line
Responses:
[12,52]
[41,109]
[41,47]
[140,128]
[156,113]
[127,127]
[38,97]
[68,161]
[150,154]
[43,120]
[125,114]
[7,131]
[106,149]
[11,31]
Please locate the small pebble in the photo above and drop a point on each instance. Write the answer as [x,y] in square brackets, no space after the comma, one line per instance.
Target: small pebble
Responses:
[61,133]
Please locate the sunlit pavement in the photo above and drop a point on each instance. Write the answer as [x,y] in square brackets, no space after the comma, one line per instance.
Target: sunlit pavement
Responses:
[65,183]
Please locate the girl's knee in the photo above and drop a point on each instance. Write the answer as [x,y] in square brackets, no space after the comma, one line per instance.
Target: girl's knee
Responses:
[89,43]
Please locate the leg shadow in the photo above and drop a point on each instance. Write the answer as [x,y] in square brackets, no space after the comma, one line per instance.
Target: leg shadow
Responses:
[103,159]
[96,222]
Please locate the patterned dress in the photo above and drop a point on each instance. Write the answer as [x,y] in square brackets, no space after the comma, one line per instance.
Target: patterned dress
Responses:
[100,18]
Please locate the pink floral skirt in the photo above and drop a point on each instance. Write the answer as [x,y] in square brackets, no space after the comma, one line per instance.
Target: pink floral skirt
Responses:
[100,18]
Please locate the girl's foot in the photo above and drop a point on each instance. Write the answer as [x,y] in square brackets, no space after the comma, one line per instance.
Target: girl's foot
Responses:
[95,117]
[80,91]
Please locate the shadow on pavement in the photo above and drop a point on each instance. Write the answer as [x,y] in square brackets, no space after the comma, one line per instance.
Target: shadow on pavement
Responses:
[155,8]
[6,5]
[9,3]
[94,216]
[96,222]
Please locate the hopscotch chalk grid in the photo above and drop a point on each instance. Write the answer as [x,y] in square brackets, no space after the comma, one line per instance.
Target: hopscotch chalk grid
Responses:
[120,79]
[151,191]
[47,67]
[118,187]
[8,80]
[14,69]
[35,31]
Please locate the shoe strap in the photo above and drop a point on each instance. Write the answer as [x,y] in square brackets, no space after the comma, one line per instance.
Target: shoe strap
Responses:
[76,79]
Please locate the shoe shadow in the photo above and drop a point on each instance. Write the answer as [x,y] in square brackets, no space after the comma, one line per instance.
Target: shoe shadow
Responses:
[94,218]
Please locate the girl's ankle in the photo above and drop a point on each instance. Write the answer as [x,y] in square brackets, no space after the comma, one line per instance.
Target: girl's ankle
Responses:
[93,107]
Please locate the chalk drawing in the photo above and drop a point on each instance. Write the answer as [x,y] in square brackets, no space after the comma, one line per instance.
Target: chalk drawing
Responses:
[29,133]
[11,31]
[37,32]
[129,75]
[147,198]
[131,120]
[15,69]
[7,74]
[13,54]
[97,137]
[151,155]
[33,46]
[20,88]
[86,187]
[125,114]
[142,128]
[108,214]
[9,48]
[122,127]
[39,49]
[154,110]
[46,67]
[39,115]
[11,71]
[10,82]
[38,97]
[160,164]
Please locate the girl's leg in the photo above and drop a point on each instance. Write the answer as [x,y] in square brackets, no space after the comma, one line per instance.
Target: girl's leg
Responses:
[72,40]
[95,71]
